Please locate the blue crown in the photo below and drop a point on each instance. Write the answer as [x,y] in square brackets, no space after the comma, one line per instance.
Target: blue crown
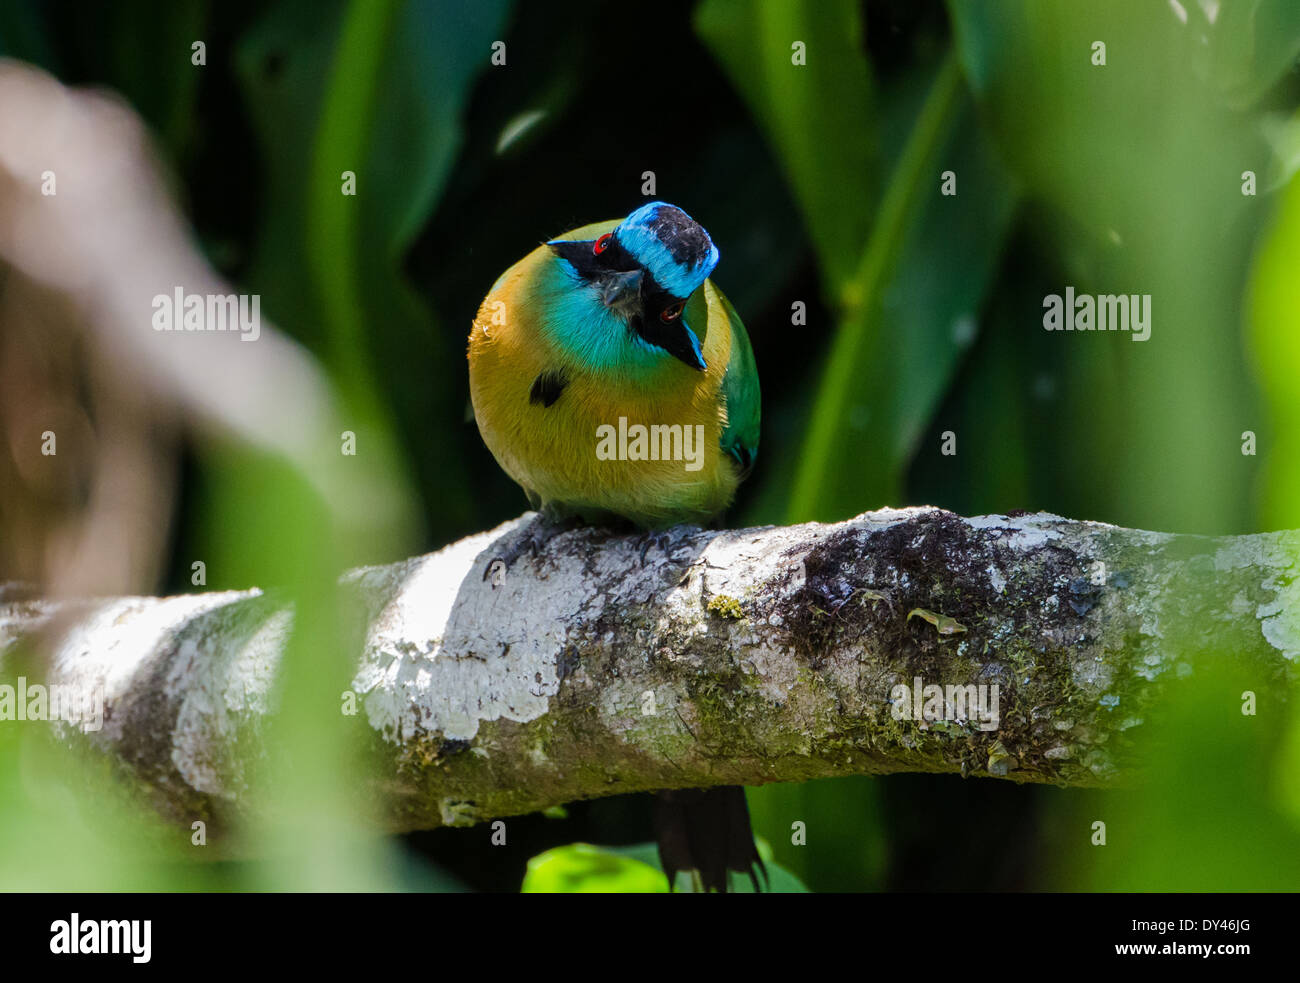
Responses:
[671,245]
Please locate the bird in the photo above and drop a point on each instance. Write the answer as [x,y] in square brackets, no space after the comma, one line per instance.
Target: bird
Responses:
[612,326]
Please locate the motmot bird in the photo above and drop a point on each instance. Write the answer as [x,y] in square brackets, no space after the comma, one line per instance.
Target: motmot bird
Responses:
[619,321]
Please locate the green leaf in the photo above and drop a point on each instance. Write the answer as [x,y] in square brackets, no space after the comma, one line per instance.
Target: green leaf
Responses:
[378,89]
[581,868]
[945,624]
[1111,156]
[1245,48]
[148,49]
[818,116]
[904,327]
[1274,337]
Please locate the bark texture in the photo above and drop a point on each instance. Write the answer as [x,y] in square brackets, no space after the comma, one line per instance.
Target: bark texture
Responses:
[724,657]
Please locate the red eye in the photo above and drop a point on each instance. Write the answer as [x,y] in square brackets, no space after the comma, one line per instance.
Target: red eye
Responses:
[672,313]
[602,244]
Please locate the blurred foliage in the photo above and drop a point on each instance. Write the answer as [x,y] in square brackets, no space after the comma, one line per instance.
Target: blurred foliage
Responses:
[754,42]
[820,183]
[1274,341]
[581,868]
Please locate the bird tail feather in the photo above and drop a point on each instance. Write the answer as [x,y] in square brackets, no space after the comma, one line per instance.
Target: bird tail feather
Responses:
[706,830]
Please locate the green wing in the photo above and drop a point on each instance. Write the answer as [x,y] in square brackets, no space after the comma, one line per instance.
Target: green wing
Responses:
[740,390]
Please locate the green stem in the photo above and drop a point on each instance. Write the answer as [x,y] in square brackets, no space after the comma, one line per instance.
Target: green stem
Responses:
[902,200]
[332,217]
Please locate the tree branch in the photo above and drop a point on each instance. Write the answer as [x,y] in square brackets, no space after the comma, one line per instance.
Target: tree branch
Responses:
[730,657]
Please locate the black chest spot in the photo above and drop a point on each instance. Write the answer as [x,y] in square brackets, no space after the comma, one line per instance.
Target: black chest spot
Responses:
[547,387]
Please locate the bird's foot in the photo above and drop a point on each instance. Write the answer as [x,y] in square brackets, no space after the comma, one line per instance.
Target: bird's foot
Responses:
[531,539]
[661,539]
